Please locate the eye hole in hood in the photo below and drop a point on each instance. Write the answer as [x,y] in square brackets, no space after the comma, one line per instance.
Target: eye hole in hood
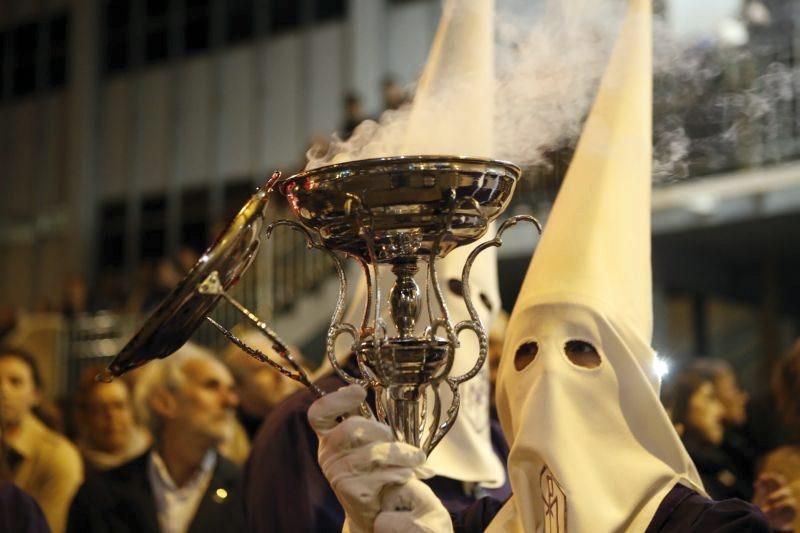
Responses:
[486,301]
[525,354]
[582,354]
[455,286]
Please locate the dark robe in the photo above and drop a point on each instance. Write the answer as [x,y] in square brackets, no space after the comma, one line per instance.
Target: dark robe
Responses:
[739,446]
[19,512]
[682,511]
[121,500]
[249,422]
[285,489]
[722,476]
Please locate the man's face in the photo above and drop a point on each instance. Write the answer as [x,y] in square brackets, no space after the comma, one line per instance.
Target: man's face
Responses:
[205,401]
[733,399]
[108,416]
[18,393]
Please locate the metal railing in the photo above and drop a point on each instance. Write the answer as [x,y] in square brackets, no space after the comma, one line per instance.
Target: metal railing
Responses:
[284,271]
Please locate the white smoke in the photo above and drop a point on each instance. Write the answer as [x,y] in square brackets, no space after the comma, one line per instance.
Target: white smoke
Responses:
[549,57]
[548,74]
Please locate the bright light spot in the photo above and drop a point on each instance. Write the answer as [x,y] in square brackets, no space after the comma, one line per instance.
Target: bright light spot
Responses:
[732,32]
[661,367]
[702,205]
[222,494]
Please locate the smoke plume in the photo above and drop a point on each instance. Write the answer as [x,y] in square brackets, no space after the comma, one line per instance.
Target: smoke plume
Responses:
[531,95]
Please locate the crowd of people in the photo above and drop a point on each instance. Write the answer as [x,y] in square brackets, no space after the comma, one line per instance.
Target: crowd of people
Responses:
[203,442]
[160,450]
[166,450]
[710,412]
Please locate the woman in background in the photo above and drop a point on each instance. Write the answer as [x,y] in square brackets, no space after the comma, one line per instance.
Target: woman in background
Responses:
[42,463]
[698,415]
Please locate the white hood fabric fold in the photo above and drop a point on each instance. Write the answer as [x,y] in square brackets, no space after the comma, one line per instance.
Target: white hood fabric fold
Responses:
[592,449]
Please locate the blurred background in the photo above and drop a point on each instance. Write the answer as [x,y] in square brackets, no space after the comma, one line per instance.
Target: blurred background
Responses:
[132,130]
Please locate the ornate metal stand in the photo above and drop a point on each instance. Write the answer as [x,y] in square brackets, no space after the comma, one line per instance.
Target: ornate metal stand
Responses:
[394,216]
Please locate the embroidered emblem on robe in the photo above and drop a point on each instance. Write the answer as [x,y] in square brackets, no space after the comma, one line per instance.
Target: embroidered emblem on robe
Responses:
[554,501]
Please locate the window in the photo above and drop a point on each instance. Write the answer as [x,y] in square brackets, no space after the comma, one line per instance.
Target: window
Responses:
[156,33]
[239,20]
[327,10]
[285,15]
[118,33]
[58,50]
[4,50]
[112,236]
[194,219]
[236,194]
[197,30]
[25,40]
[152,242]
[34,56]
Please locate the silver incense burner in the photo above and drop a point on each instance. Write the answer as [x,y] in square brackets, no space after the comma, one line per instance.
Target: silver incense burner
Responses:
[395,217]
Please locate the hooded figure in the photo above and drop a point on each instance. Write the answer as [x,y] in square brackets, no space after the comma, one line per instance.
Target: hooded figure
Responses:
[592,449]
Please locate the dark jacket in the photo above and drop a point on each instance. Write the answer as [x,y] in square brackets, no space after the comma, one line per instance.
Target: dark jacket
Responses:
[19,512]
[121,501]
[722,477]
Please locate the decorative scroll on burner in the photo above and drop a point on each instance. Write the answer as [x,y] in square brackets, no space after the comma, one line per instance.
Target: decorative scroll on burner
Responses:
[394,216]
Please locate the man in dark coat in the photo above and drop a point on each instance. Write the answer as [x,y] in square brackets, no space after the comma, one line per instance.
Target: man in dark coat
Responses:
[182,483]
[121,500]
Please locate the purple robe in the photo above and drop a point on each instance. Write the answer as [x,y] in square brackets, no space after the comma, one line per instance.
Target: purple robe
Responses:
[19,512]
[285,489]
[682,511]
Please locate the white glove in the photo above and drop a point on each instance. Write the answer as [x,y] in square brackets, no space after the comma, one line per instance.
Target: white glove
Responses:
[359,456]
[412,507]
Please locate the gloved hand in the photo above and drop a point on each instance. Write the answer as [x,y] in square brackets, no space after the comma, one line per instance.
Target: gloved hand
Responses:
[412,507]
[359,456]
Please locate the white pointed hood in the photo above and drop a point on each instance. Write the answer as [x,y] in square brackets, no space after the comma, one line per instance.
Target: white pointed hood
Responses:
[453,107]
[592,449]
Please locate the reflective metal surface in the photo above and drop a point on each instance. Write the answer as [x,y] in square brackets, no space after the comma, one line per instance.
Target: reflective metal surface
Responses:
[182,312]
[406,202]
[407,365]
[401,214]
